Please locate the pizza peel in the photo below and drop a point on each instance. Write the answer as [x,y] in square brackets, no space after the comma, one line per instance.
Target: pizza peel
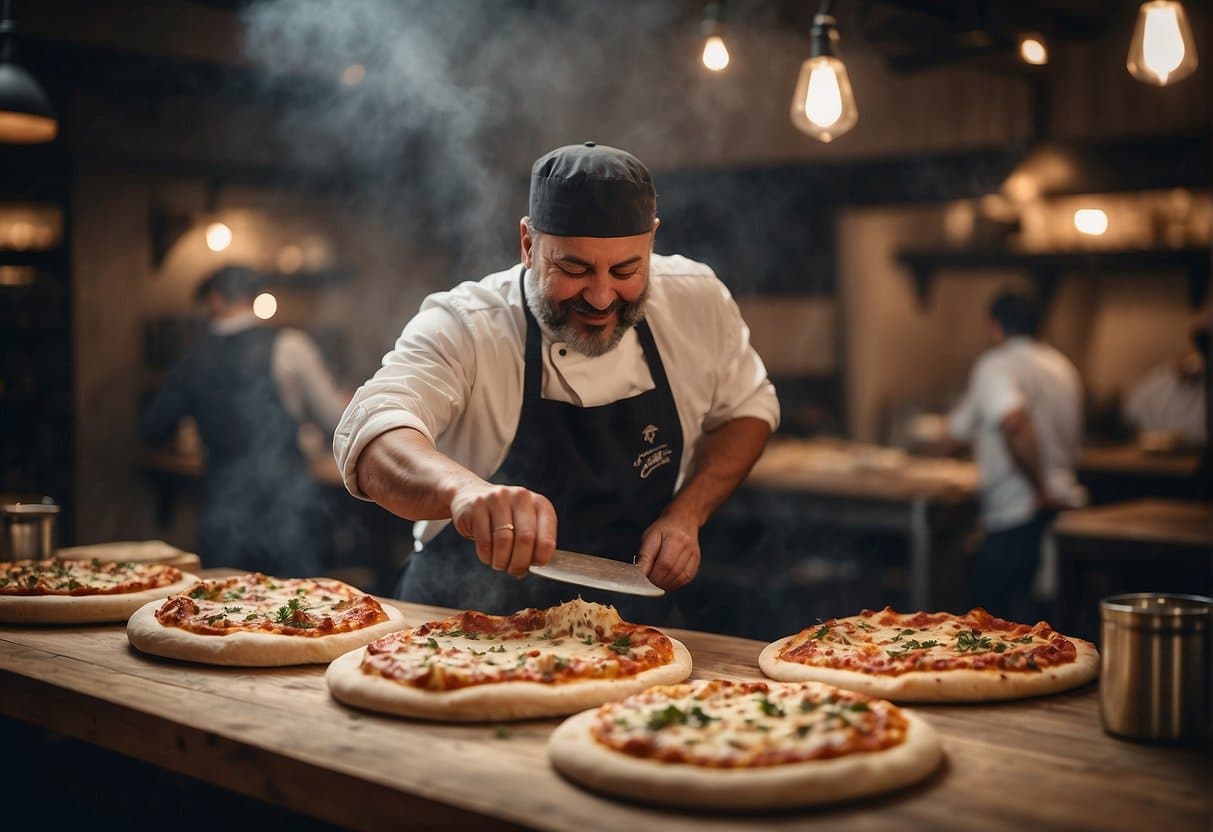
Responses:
[600,573]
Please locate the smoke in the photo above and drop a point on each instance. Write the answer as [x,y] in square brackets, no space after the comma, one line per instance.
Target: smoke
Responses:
[459,97]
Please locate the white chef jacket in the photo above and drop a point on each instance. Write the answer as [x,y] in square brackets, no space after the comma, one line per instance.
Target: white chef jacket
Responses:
[1022,372]
[456,372]
[1162,401]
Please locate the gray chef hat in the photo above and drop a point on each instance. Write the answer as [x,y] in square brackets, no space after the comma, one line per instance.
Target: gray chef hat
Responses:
[591,190]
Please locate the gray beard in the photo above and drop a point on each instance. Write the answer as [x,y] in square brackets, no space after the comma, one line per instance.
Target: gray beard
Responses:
[590,340]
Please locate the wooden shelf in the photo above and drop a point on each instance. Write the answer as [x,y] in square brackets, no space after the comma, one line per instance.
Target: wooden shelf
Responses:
[1046,267]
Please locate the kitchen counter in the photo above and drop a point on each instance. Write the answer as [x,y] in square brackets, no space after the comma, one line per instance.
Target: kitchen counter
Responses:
[276,735]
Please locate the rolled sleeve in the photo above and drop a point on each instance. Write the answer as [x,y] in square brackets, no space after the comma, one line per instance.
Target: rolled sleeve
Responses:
[996,392]
[423,383]
[743,388]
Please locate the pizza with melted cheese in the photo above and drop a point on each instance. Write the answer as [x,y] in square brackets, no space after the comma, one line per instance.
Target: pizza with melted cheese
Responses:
[75,591]
[256,620]
[745,745]
[536,662]
[933,657]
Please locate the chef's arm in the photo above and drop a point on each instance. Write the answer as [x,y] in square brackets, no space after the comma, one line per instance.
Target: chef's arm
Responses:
[1020,437]
[512,527]
[669,550]
[722,460]
[402,471]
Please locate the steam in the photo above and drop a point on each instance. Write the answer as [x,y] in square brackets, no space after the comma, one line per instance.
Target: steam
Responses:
[460,97]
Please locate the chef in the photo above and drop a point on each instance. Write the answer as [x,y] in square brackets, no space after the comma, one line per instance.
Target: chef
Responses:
[596,397]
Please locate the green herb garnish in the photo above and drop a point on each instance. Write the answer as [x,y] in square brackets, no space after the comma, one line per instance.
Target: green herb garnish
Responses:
[670,715]
[820,634]
[769,708]
[972,642]
[621,645]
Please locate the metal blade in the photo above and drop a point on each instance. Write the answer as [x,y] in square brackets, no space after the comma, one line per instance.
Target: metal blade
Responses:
[600,573]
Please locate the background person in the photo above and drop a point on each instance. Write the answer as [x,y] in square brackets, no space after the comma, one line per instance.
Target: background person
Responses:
[249,388]
[1022,412]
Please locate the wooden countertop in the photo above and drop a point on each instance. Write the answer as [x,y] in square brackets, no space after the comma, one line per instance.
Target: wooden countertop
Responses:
[1130,459]
[836,467]
[1179,522]
[276,735]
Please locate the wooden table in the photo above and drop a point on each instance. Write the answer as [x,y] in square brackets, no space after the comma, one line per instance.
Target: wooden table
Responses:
[1113,473]
[932,503]
[275,735]
[1153,545]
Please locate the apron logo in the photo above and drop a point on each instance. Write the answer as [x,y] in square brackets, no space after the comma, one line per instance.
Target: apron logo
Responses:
[651,459]
[649,433]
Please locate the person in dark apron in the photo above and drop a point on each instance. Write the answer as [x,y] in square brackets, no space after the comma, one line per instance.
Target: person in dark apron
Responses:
[583,460]
[598,478]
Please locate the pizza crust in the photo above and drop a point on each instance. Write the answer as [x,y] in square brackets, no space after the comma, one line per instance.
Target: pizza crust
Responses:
[962,685]
[249,649]
[84,609]
[575,753]
[492,702]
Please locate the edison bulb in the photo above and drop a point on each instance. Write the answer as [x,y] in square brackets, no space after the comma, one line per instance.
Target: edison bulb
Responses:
[1162,50]
[823,105]
[715,53]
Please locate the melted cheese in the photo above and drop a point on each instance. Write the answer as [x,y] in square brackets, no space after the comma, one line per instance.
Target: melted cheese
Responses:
[889,640]
[718,724]
[250,600]
[82,577]
[576,642]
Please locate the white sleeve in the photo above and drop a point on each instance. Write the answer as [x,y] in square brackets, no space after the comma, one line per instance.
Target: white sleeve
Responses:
[962,421]
[304,381]
[996,392]
[423,383]
[742,386]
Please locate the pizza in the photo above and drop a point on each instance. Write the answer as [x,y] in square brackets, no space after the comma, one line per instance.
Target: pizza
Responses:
[78,591]
[255,620]
[933,657]
[537,662]
[715,744]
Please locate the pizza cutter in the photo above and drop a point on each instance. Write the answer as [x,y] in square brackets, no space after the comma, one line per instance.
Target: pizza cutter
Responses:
[600,573]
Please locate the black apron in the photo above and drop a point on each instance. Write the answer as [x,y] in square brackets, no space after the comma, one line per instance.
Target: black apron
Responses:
[608,470]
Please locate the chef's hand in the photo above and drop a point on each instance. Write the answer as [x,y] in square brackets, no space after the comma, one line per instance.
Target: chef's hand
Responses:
[512,527]
[669,551]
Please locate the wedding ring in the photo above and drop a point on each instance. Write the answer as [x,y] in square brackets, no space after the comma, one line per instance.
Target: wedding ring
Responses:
[509,526]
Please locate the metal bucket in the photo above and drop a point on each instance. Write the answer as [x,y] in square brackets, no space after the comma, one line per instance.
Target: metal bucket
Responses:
[1155,651]
[29,531]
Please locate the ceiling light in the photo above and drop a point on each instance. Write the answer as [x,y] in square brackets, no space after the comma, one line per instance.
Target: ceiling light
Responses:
[1162,50]
[1090,221]
[26,115]
[265,306]
[823,105]
[353,75]
[715,53]
[218,236]
[1033,50]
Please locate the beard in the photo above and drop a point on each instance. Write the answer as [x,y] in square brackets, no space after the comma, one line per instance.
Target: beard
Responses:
[587,339]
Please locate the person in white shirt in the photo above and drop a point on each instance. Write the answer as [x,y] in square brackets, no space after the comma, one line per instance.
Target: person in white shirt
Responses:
[596,396]
[1023,414]
[249,389]
[1170,398]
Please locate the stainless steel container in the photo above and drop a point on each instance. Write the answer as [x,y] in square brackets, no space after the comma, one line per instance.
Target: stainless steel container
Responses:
[29,531]
[1155,651]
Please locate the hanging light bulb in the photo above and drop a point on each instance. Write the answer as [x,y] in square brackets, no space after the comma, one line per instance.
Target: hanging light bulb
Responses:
[715,53]
[823,105]
[26,116]
[1033,50]
[218,236]
[1162,50]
